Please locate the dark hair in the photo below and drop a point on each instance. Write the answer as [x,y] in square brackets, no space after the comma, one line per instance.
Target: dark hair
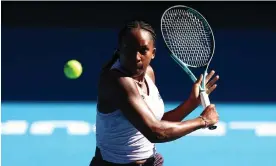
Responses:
[129,26]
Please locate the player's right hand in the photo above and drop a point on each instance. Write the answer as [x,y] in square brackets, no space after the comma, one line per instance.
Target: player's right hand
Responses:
[210,114]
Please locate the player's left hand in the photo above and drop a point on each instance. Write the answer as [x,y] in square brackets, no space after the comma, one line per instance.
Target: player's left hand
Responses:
[210,86]
[211,82]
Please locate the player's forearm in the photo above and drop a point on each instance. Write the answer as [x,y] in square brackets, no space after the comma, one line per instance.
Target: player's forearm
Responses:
[180,112]
[170,131]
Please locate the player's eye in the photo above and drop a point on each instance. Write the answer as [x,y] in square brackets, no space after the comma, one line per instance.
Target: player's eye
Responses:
[143,50]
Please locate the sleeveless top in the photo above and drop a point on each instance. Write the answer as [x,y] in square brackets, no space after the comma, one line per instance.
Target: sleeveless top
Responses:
[118,140]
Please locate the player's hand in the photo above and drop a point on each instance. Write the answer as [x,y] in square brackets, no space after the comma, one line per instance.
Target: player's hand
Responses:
[210,115]
[210,87]
[211,82]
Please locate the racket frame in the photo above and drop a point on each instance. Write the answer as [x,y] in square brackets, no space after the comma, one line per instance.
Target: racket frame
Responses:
[203,94]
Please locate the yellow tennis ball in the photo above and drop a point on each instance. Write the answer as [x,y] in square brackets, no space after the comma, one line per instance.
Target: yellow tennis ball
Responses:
[73,69]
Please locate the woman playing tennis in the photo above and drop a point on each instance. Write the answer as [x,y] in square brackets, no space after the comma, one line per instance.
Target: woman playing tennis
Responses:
[130,110]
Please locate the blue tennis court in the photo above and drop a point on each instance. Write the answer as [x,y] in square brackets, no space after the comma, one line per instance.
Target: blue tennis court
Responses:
[64,134]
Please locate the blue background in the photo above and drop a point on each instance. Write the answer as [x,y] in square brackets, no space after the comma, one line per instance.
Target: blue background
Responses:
[38,38]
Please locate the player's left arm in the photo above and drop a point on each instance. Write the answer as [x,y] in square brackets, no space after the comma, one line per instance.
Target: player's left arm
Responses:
[185,108]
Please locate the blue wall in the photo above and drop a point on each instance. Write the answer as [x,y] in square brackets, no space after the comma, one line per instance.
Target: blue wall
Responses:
[39,37]
[33,60]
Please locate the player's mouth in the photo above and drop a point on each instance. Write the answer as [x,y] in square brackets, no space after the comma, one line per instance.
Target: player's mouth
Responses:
[139,65]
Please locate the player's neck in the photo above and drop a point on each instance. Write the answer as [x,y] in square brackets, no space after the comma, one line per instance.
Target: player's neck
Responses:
[140,79]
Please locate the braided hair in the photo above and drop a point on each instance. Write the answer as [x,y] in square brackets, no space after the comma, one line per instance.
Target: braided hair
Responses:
[128,27]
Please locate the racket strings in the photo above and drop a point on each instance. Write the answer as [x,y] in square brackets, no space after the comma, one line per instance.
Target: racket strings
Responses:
[187,37]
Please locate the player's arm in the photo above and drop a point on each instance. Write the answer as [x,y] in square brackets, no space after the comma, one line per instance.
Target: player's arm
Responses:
[125,96]
[180,112]
[184,109]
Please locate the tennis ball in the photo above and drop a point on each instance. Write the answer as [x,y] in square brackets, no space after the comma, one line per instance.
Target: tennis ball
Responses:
[73,69]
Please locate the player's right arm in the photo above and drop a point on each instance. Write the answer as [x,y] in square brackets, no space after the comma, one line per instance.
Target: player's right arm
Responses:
[123,94]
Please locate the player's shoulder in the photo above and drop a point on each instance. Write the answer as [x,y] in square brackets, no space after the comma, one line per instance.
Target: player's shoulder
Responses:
[112,77]
[150,72]
[114,81]
[113,88]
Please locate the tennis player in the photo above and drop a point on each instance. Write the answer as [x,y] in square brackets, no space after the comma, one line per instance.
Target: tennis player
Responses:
[130,110]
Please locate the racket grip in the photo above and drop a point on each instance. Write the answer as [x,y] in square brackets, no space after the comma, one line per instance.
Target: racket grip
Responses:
[205,101]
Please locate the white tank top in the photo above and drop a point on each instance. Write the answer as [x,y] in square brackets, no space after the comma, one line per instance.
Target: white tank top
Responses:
[118,140]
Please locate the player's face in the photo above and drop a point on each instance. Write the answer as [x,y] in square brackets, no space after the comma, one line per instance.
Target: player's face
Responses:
[137,50]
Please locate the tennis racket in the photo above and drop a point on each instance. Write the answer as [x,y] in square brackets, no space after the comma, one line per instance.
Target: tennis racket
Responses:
[191,42]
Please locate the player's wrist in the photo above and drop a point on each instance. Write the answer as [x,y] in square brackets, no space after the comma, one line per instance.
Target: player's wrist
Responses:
[204,122]
[193,102]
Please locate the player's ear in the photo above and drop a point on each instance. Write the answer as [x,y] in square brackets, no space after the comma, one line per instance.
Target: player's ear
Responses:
[153,53]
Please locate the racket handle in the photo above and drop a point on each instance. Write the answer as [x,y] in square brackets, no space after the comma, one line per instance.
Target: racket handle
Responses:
[204,99]
[205,103]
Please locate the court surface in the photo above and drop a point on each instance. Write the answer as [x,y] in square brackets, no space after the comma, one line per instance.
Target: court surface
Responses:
[63,134]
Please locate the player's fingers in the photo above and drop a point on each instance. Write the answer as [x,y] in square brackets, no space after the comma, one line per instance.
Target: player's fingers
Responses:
[210,75]
[211,89]
[198,82]
[212,82]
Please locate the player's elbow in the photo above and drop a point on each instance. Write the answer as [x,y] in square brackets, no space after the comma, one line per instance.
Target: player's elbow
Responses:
[158,134]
